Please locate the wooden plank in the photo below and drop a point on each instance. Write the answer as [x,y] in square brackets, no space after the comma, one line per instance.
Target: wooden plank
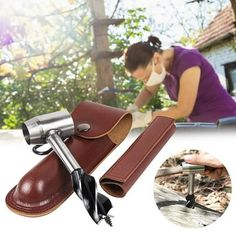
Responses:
[164,171]
[172,205]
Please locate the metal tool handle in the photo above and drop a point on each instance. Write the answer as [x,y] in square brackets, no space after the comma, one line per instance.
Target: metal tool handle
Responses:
[190,168]
[191,178]
[62,151]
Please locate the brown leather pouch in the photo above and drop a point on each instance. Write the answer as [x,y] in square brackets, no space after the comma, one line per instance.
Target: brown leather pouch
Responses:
[48,184]
[122,175]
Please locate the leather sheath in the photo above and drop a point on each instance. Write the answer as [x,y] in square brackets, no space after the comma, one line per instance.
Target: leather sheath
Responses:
[48,184]
[122,175]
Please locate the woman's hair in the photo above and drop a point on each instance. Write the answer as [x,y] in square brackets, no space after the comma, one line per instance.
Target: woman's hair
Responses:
[140,54]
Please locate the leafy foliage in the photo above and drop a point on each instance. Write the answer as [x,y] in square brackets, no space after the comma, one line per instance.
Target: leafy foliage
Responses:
[46,65]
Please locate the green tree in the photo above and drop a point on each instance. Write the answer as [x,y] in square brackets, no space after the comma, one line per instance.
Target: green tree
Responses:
[46,66]
[45,60]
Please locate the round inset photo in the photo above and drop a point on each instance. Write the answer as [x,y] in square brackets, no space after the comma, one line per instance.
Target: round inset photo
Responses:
[192,188]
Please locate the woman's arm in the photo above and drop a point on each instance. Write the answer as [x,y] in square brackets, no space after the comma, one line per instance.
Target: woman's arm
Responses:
[188,89]
[145,95]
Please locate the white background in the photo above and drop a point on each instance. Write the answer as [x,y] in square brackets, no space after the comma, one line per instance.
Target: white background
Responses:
[136,213]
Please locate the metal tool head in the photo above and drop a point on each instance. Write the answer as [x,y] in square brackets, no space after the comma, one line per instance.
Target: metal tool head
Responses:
[190,201]
[36,129]
[95,203]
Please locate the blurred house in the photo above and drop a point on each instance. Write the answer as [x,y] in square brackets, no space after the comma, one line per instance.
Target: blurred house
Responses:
[218,44]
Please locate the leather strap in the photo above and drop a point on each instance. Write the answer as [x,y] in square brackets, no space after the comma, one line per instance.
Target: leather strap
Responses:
[122,175]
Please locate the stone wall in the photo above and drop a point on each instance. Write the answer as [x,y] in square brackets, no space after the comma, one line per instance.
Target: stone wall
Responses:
[220,54]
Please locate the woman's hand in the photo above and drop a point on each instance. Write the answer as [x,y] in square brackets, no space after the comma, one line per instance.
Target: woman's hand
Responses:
[141,119]
[216,169]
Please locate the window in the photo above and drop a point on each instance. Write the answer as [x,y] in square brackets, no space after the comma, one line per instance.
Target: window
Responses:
[230,73]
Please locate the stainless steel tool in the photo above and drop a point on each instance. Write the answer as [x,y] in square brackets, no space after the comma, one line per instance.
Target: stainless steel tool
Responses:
[185,168]
[191,170]
[53,128]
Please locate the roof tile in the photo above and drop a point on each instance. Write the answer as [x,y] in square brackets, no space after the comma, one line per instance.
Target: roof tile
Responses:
[222,25]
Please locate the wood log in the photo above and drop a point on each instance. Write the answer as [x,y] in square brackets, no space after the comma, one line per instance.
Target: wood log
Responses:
[172,205]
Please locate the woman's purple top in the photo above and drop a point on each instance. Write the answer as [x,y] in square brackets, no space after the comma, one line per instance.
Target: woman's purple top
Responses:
[212,102]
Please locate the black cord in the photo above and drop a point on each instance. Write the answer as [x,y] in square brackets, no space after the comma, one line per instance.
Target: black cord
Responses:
[35,150]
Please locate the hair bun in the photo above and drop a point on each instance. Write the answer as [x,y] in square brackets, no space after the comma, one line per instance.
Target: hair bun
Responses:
[154,42]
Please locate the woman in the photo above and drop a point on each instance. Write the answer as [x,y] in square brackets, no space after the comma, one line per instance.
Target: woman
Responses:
[188,77]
